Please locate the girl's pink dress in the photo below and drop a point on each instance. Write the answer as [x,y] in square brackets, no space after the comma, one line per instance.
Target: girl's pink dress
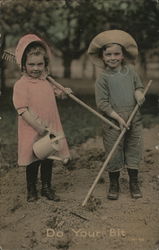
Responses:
[38,95]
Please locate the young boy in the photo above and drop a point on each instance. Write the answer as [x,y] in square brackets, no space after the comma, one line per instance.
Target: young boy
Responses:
[117,90]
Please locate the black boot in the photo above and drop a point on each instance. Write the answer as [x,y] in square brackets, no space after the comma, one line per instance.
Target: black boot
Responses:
[46,175]
[31,177]
[114,185]
[133,183]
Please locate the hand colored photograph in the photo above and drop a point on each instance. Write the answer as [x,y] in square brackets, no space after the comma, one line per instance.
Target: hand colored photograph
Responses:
[79,125]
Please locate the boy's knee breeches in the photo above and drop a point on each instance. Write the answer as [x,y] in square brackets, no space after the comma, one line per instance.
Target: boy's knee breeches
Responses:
[129,150]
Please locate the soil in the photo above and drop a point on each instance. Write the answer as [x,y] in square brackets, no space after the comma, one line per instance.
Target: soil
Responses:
[101,224]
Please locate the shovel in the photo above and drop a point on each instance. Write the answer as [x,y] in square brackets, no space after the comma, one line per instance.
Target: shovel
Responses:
[113,149]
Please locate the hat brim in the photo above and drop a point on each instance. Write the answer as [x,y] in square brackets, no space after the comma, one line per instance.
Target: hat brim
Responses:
[111,36]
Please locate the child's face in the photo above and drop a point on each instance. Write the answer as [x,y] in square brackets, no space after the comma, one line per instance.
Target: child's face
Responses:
[35,65]
[113,56]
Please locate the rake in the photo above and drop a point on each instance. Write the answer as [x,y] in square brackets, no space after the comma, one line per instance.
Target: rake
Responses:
[114,148]
[9,56]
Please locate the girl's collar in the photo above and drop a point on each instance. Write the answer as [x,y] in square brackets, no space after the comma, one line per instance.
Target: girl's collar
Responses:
[35,80]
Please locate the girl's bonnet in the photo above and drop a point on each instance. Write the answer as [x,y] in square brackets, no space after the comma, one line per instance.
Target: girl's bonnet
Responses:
[111,36]
[22,45]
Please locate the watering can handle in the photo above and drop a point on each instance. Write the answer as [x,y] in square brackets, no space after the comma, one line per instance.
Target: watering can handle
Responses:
[56,138]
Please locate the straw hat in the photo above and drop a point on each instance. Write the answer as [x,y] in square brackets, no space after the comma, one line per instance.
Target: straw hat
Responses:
[111,36]
[23,43]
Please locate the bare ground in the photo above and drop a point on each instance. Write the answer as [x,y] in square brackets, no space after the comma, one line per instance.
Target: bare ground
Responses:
[101,224]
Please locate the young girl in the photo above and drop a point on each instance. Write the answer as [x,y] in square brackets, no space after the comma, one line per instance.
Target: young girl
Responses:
[117,90]
[34,100]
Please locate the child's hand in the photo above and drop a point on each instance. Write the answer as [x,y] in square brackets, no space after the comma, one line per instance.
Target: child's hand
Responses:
[139,96]
[122,123]
[120,120]
[42,131]
[49,130]
[68,92]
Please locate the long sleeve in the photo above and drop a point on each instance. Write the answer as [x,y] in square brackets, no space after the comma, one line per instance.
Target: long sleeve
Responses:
[102,96]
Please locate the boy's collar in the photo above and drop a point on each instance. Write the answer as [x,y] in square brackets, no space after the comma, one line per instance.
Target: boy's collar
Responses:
[114,70]
[122,70]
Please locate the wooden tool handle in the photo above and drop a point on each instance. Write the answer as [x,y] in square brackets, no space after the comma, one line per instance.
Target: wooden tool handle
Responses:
[50,79]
